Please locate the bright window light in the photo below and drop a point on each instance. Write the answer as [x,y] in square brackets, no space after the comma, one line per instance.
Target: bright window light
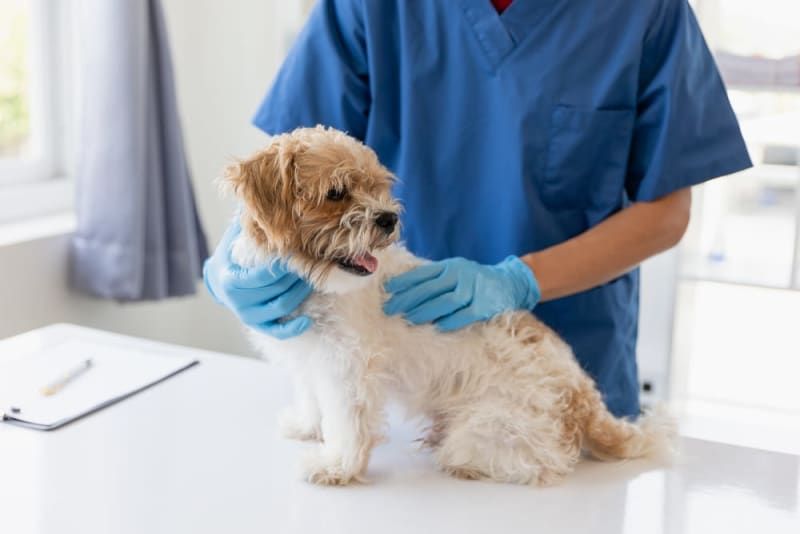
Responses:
[15,97]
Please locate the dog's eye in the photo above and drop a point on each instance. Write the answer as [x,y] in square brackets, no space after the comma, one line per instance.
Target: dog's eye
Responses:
[337,194]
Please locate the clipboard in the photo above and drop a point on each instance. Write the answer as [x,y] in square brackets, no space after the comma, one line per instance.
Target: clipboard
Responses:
[117,373]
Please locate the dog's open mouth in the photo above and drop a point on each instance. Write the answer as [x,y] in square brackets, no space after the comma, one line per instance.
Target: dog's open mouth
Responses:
[363,265]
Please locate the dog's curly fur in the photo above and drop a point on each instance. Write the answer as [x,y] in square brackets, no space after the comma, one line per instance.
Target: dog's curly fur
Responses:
[506,399]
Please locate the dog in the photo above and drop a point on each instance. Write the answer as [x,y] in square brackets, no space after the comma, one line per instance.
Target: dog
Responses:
[506,399]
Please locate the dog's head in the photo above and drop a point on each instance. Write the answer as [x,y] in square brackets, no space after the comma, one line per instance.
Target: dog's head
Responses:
[321,200]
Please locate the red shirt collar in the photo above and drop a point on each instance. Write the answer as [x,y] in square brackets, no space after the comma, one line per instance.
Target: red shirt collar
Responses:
[501,5]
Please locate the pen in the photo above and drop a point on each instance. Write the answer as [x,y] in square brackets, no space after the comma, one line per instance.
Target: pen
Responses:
[58,384]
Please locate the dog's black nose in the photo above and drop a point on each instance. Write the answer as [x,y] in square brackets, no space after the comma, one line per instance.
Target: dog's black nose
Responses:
[386,220]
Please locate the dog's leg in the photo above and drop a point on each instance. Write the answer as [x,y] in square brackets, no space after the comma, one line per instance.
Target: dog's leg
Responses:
[302,420]
[504,443]
[352,414]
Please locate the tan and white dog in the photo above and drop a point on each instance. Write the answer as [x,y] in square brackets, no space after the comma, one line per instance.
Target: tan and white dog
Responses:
[506,399]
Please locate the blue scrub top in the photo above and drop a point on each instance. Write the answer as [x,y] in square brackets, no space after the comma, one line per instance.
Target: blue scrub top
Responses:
[511,133]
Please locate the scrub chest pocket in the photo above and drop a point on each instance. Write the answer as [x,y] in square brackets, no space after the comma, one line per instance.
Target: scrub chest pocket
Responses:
[586,158]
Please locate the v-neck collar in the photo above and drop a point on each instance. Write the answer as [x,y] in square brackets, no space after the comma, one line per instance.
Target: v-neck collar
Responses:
[492,35]
[499,33]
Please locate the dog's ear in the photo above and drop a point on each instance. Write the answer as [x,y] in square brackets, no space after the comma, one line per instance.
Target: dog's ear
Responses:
[266,184]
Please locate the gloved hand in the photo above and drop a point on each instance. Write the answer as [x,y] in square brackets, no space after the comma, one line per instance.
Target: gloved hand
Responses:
[456,292]
[260,297]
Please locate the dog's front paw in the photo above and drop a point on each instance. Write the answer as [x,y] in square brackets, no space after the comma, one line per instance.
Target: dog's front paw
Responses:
[318,469]
[293,426]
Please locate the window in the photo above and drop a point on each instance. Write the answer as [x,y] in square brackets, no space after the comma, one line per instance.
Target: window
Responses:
[736,342]
[33,106]
[15,127]
[746,229]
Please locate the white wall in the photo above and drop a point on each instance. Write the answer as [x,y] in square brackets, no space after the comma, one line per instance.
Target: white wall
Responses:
[35,292]
[225,55]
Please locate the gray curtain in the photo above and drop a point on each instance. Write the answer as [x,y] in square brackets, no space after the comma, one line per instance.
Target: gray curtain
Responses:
[138,236]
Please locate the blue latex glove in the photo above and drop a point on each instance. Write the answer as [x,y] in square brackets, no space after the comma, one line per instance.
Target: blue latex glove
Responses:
[456,292]
[260,297]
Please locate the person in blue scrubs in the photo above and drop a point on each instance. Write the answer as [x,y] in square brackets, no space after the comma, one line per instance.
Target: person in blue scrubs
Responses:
[543,151]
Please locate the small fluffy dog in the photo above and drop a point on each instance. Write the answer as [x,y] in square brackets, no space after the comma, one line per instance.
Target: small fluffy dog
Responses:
[506,399]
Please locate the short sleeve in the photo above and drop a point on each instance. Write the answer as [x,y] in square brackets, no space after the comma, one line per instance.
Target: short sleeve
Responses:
[685,130]
[323,79]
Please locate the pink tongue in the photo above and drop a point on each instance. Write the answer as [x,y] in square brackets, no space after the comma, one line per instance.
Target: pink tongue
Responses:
[367,261]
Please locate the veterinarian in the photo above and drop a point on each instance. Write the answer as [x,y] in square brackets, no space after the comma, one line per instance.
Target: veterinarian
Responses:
[544,149]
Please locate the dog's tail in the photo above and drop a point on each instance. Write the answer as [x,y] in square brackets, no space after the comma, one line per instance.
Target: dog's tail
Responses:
[607,437]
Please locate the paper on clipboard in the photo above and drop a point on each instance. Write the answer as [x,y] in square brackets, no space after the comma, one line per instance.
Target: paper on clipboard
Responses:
[117,373]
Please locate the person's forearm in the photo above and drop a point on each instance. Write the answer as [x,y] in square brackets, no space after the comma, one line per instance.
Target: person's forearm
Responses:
[611,248]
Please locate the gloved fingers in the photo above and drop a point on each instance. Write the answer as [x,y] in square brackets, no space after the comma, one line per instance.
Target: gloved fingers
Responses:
[225,244]
[256,277]
[241,297]
[457,320]
[285,330]
[292,299]
[207,266]
[440,306]
[409,299]
[214,267]
[261,275]
[278,307]
[233,230]
[413,277]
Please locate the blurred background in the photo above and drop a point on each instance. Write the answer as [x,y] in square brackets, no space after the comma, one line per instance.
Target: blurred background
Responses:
[720,331]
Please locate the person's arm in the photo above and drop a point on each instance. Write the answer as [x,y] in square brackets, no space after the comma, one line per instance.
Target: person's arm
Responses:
[455,292]
[613,247]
